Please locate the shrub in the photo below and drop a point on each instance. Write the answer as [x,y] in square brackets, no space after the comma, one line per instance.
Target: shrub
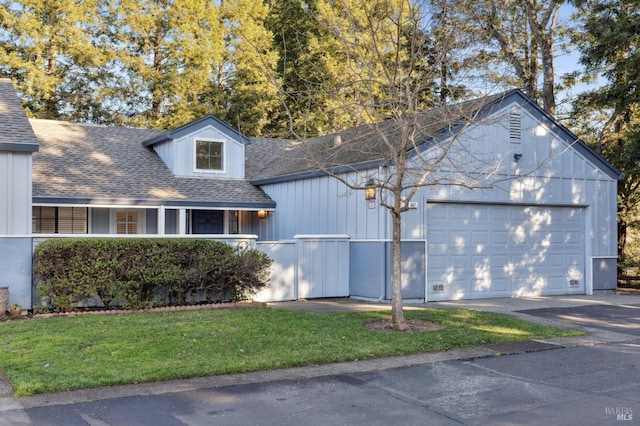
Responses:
[145,272]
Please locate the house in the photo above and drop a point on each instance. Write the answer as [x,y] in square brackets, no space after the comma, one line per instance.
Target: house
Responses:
[114,180]
[548,229]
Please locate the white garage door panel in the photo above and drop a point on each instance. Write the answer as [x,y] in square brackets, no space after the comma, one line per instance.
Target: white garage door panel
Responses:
[479,251]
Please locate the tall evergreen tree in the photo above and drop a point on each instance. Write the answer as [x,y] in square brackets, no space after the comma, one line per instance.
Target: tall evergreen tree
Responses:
[302,44]
[248,99]
[47,48]
[322,75]
[165,53]
[610,47]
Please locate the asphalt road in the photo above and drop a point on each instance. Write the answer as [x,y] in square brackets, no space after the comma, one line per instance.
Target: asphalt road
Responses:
[595,383]
[573,386]
[619,319]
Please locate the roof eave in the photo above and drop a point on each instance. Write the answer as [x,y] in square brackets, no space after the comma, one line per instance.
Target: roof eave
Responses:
[117,202]
[356,167]
[19,147]
[191,127]
[156,140]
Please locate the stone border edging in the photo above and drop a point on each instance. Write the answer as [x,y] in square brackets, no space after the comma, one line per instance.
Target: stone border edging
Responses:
[162,309]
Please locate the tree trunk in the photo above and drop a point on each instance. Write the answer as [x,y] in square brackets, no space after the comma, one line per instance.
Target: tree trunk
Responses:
[622,240]
[543,30]
[156,85]
[397,314]
[548,95]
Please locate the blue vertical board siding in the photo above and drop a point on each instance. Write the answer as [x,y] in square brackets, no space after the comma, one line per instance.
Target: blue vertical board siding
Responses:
[605,274]
[413,269]
[15,193]
[283,271]
[16,266]
[370,272]
[323,205]
[323,267]
[179,154]
[367,273]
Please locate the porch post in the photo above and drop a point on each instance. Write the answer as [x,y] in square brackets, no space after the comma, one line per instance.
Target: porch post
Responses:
[161,220]
[182,221]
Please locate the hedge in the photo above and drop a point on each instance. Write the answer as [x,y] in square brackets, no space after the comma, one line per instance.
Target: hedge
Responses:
[135,273]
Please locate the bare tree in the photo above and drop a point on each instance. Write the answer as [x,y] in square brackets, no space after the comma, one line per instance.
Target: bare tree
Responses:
[412,139]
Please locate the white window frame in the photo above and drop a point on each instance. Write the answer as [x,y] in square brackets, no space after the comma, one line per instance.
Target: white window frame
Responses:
[195,155]
[113,220]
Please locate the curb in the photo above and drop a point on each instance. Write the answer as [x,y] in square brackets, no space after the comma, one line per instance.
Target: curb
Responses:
[597,337]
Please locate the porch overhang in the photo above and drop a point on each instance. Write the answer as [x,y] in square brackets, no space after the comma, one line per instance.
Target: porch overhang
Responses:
[188,204]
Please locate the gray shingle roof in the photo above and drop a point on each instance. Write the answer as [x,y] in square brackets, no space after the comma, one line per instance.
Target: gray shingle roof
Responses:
[365,144]
[15,131]
[89,162]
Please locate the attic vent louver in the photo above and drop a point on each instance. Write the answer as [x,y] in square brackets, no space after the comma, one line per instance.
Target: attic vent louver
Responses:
[515,126]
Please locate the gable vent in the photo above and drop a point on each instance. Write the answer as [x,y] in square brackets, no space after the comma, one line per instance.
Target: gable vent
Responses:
[515,126]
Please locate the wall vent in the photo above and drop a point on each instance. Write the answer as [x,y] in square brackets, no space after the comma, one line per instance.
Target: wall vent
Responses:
[438,288]
[515,126]
[574,283]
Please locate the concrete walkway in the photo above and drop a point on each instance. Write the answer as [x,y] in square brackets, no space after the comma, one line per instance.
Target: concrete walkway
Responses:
[504,305]
[12,409]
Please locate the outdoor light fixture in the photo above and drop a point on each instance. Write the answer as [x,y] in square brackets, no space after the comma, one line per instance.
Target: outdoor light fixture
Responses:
[517,157]
[370,193]
[370,190]
[262,214]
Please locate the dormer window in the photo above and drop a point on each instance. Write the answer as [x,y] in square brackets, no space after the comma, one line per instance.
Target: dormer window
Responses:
[209,156]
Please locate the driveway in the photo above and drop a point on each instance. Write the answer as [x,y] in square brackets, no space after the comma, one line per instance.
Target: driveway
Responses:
[591,380]
[620,319]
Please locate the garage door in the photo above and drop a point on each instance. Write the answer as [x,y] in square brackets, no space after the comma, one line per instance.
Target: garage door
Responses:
[481,251]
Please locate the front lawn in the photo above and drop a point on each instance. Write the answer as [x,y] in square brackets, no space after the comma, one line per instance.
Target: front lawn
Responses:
[64,353]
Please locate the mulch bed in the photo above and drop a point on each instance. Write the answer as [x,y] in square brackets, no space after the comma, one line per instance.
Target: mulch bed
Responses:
[415,326]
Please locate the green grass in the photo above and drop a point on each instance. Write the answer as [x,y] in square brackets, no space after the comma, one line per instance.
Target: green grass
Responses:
[64,353]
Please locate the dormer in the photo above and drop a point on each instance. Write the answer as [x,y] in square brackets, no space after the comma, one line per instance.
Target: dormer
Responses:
[205,148]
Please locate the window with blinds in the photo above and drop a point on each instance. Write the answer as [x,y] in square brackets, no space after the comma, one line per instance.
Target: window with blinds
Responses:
[72,220]
[126,222]
[60,220]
